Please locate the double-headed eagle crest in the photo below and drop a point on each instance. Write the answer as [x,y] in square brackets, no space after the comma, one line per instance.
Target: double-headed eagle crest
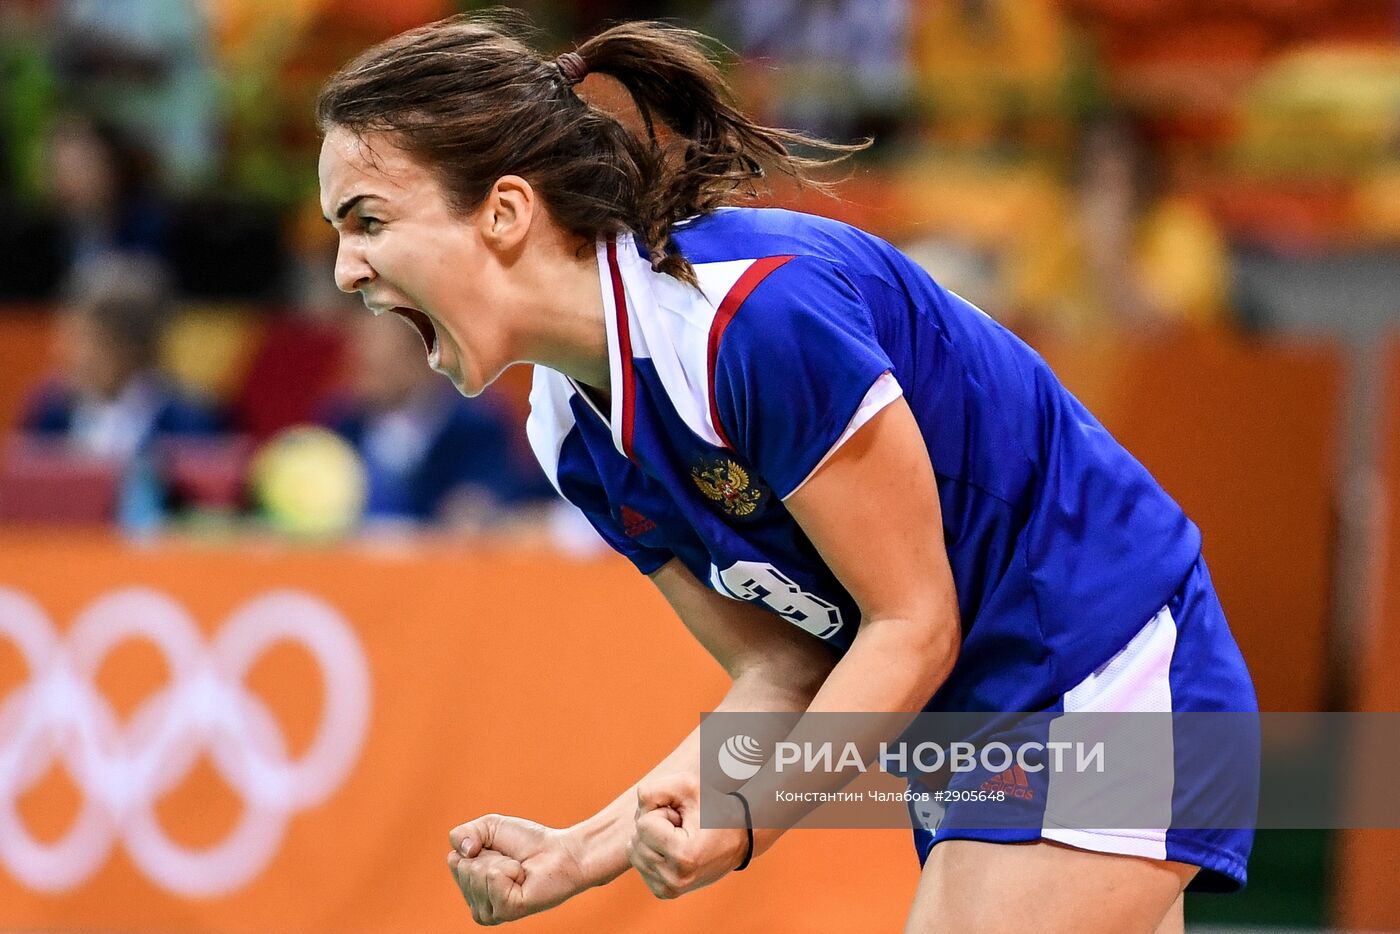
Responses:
[727,483]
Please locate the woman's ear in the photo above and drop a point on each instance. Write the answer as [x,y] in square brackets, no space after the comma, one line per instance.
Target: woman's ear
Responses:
[508,212]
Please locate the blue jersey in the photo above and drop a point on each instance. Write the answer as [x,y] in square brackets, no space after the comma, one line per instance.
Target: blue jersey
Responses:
[726,398]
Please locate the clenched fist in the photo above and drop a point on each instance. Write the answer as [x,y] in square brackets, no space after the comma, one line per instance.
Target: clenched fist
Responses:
[670,849]
[508,868]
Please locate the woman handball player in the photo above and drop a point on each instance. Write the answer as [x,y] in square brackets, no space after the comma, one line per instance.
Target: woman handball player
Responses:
[857,490]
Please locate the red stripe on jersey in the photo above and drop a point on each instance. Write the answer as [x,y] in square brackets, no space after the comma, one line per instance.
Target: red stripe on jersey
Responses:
[624,346]
[727,308]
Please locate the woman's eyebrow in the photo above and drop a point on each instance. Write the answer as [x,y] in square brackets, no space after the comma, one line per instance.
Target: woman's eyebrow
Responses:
[347,204]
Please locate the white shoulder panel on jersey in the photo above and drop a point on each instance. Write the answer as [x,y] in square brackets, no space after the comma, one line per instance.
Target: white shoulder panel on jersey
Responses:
[551,419]
[882,392]
[670,322]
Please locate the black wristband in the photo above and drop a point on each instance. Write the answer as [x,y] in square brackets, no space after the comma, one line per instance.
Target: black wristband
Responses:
[748,826]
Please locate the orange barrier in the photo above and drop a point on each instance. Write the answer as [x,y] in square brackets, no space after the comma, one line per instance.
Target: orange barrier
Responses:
[521,683]
[1368,861]
[1245,436]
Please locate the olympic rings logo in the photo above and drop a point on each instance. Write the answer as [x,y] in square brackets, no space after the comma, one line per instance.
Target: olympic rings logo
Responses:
[123,770]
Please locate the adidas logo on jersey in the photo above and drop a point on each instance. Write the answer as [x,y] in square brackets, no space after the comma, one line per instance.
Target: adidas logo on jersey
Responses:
[634,523]
[1013,782]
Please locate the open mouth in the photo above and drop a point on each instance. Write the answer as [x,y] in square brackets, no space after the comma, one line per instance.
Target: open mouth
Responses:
[422,324]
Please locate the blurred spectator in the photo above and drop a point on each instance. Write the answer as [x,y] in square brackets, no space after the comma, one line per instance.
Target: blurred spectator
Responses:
[430,455]
[837,68]
[1156,255]
[148,66]
[1127,251]
[996,71]
[103,193]
[99,195]
[109,400]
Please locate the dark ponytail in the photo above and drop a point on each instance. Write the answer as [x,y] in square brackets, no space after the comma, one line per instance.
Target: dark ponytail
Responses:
[468,97]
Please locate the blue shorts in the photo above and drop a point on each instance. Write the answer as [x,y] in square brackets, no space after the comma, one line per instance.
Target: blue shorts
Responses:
[1183,660]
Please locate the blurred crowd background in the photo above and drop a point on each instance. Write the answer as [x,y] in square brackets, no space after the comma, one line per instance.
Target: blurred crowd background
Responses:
[1099,175]
[1080,168]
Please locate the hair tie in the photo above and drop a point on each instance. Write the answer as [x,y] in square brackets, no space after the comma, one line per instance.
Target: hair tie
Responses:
[572,66]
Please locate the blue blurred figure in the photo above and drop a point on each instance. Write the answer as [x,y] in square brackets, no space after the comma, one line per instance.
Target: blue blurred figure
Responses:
[431,456]
[103,193]
[110,400]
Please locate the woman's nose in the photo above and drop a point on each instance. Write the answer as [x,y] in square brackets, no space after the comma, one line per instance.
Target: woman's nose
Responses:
[352,271]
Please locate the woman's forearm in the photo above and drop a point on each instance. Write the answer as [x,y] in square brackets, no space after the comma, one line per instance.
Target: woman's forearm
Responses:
[888,676]
[894,665]
[600,841]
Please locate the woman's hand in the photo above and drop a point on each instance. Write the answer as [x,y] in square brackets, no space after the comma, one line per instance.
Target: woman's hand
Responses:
[508,868]
[670,850]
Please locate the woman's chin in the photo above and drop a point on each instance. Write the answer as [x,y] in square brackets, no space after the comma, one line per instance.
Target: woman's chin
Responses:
[467,374]
[469,383]
[470,391]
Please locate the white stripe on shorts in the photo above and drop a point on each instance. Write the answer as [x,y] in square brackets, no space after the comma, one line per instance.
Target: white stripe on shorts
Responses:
[1136,680]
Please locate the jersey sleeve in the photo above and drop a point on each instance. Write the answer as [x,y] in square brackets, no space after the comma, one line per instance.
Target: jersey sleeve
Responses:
[798,370]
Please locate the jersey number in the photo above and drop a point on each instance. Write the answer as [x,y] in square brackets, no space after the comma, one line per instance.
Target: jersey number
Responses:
[752,580]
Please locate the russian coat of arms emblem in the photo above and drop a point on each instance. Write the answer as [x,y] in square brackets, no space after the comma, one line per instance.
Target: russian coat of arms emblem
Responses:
[727,484]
